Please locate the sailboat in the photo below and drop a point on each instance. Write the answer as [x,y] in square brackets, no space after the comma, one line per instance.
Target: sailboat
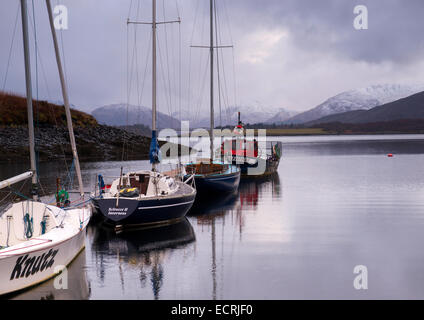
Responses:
[146,197]
[38,240]
[213,176]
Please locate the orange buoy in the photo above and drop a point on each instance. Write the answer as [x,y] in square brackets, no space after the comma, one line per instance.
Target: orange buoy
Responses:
[390,155]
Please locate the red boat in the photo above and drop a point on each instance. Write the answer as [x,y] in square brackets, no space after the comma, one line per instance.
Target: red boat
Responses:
[253,158]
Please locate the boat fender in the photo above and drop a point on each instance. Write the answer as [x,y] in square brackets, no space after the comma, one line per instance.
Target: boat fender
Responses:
[63,198]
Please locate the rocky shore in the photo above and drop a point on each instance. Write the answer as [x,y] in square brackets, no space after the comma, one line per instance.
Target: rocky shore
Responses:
[94,143]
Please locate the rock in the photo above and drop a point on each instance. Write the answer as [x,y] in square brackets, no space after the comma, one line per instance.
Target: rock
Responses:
[97,143]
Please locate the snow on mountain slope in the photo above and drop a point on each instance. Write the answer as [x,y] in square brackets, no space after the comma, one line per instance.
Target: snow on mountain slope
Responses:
[281,116]
[229,116]
[359,99]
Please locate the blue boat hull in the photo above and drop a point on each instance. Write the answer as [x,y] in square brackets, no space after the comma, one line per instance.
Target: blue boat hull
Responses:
[134,212]
[214,183]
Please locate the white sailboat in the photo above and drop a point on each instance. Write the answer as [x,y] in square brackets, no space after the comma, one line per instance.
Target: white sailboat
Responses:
[38,240]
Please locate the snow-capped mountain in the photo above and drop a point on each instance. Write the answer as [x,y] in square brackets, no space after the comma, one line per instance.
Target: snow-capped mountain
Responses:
[229,116]
[116,115]
[281,116]
[359,99]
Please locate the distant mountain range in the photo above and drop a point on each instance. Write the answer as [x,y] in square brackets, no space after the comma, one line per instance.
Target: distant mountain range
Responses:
[411,107]
[282,116]
[116,115]
[249,114]
[359,99]
[344,107]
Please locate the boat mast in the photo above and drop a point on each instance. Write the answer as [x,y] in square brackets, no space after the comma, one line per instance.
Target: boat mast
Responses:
[154,24]
[211,93]
[65,101]
[29,99]
[153,72]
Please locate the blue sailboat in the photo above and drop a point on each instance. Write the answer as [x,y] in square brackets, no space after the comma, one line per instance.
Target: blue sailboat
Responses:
[213,176]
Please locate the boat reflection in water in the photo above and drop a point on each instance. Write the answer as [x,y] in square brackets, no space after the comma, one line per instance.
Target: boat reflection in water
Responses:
[212,214]
[251,190]
[145,249]
[78,287]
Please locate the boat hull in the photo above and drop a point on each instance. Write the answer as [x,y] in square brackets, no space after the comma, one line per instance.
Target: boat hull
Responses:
[206,184]
[136,212]
[263,167]
[27,269]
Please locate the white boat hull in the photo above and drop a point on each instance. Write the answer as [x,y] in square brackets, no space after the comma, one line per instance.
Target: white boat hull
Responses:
[77,285]
[41,258]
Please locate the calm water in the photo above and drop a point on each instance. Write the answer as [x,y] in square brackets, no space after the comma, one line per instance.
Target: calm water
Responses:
[336,202]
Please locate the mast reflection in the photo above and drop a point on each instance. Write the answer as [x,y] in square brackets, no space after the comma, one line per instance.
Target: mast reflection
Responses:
[145,249]
[211,212]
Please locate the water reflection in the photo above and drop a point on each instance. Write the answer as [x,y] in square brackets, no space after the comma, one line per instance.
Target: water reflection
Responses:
[212,213]
[336,203]
[252,190]
[78,285]
[351,145]
[144,249]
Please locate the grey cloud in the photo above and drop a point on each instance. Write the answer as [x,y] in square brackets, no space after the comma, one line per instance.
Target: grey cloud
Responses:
[394,32]
[95,47]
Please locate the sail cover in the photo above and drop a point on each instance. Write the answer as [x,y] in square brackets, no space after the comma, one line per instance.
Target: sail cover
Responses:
[154,153]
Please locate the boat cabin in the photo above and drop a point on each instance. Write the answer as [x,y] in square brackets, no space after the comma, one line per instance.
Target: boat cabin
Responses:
[240,147]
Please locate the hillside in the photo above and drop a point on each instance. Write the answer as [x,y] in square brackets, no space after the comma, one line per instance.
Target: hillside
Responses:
[411,107]
[13,112]
[94,141]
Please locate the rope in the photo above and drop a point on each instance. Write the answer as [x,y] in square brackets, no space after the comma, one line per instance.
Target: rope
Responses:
[225,91]
[63,55]
[189,57]
[28,221]
[162,69]
[10,50]
[167,63]
[37,113]
[179,62]
[8,231]
[28,227]
[140,99]
[129,77]
[217,64]
[233,57]
[43,223]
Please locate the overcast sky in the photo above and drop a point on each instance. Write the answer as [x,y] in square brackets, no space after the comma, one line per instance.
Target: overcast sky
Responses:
[287,53]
